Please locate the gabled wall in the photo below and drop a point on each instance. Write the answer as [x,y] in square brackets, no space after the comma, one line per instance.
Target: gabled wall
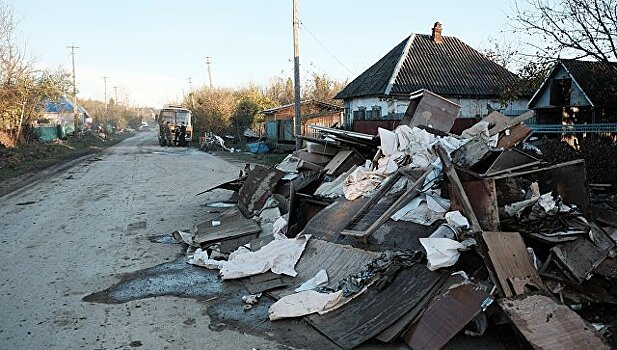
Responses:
[577,97]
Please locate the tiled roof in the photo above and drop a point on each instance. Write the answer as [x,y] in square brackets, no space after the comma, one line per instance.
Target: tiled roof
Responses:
[448,68]
[598,80]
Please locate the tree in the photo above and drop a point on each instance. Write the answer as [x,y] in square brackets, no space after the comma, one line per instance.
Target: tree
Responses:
[569,28]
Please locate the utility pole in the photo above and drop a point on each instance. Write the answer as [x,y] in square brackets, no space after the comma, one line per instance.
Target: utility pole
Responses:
[75,112]
[208,62]
[105,100]
[297,120]
[191,93]
[116,91]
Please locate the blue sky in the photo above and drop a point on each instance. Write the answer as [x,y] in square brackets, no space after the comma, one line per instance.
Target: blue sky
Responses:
[149,49]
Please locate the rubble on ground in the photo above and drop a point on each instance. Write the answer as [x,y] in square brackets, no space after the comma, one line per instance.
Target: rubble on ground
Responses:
[418,234]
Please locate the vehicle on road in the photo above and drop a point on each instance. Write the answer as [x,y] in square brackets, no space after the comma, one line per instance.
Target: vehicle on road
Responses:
[175,115]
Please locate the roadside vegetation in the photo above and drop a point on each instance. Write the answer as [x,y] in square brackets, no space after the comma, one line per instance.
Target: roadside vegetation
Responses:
[36,156]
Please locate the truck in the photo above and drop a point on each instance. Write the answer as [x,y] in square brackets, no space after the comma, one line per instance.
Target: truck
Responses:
[175,115]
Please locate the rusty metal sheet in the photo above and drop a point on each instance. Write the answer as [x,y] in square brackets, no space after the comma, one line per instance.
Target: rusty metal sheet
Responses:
[430,109]
[373,311]
[339,261]
[258,186]
[511,262]
[447,315]
[232,225]
[548,325]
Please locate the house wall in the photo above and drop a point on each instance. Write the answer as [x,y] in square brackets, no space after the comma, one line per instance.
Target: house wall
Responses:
[577,97]
[393,108]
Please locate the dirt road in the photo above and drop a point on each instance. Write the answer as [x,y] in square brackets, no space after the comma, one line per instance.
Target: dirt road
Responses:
[79,232]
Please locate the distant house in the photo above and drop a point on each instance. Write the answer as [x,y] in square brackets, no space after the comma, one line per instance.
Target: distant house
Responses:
[58,119]
[279,120]
[441,64]
[577,96]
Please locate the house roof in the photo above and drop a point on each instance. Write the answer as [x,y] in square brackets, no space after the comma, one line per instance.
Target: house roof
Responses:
[447,68]
[62,105]
[322,104]
[597,80]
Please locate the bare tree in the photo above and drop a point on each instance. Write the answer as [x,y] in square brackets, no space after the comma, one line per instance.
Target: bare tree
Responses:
[569,28]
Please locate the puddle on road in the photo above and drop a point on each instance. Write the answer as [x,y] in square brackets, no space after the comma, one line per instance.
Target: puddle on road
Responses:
[175,278]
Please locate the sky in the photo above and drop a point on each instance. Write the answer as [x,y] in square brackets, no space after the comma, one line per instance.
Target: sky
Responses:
[149,49]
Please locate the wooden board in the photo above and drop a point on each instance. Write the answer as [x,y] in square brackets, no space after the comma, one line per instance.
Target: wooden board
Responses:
[258,186]
[372,312]
[445,316]
[483,199]
[499,122]
[510,160]
[511,262]
[233,225]
[515,135]
[342,162]
[548,325]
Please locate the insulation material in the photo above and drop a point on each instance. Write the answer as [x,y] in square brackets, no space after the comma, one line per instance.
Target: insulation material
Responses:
[423,210]
[304,303]
[359,182]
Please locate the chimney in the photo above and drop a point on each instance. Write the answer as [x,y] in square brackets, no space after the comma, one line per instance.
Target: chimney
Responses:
[436,36]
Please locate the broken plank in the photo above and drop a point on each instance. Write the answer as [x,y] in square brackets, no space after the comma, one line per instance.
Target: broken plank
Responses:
[545,324]
[342,162]
[514,135]
[512,263]
[259,185]
[471,153]
[510,160]
[499,122]
[483,199]
[447,315]
[578,259]
[459,191]
[232,225]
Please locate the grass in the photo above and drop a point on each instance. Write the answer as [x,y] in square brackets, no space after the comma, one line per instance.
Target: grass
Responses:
[37,156]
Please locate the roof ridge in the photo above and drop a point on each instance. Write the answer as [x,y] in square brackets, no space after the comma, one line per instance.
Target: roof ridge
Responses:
[399,64]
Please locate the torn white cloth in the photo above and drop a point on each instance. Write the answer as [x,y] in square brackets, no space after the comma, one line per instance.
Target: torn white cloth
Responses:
[441,252]
[279,256]
[320,279]
[303,303]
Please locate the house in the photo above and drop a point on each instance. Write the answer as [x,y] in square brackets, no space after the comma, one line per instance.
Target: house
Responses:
[58,119]
[442,64]
[576,97]
[279,121]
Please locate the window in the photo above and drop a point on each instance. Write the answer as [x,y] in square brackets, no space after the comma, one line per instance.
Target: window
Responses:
[375,112]
[360,114]
[560,92]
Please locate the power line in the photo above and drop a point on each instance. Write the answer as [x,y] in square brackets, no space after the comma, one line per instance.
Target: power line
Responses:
[325,48]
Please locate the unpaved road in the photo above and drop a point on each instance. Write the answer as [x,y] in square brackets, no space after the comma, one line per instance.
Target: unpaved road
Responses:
[82,266]
[79,231]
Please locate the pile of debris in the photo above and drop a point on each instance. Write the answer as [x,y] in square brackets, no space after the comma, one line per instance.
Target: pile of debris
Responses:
[420,234]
